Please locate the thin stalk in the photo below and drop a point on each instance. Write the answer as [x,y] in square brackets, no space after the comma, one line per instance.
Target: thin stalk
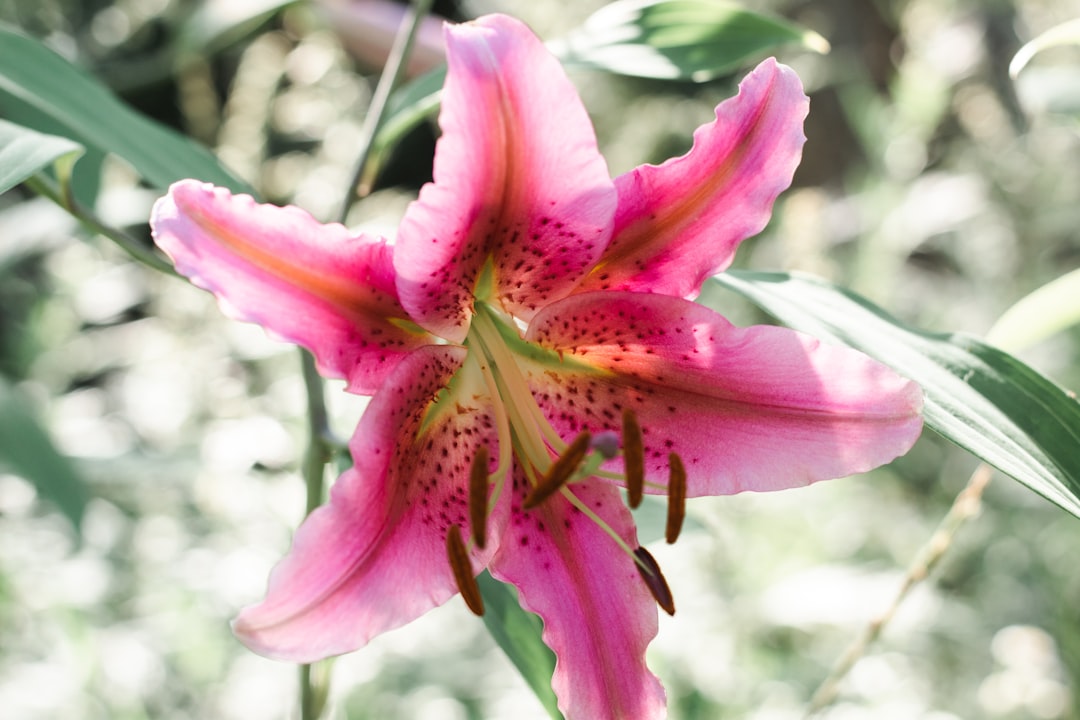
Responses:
[314,689]
[318,449]
[44,186]
[964,507]
[314,683]
[388,81]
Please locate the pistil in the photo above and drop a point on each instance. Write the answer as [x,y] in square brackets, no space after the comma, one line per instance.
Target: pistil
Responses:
[478,501]
[511,390]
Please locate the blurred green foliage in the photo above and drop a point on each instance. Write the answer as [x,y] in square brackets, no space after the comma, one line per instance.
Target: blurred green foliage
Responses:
[932,183]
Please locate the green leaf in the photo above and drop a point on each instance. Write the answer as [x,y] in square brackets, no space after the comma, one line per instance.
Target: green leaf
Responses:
[518,633]
[25,448]
[24,152]
[409,105]
[36,76]
[980,398]
[86,173]
[694,40]
[219,23]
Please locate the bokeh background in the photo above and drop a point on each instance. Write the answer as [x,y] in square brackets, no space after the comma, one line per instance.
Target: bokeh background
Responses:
[932,183]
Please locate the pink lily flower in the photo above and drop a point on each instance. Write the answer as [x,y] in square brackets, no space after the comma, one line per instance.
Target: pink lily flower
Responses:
[531,350]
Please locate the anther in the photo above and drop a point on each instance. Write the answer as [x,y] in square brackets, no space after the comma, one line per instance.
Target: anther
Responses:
[654,580]
[633,458]
[462,568]
[560,471]
[676,493]
[478,488]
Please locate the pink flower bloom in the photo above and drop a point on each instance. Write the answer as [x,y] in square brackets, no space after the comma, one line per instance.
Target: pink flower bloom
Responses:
[530,349]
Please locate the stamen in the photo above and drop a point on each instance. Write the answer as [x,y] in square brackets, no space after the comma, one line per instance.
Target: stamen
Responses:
[478,487]
[560,471]
[494,334]
[502,422]
[676,504]
[512,388]
[598,521]
[649,570]
[633,458]
[509,394]
[462,568]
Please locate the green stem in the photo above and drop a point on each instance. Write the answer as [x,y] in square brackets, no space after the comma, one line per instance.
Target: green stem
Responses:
[391,77]
[307,694]
[314,685]
[318,448]
[314,680]
[314,688]
[44,186]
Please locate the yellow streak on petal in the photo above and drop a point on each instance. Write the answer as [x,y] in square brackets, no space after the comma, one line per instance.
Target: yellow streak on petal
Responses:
[345,293]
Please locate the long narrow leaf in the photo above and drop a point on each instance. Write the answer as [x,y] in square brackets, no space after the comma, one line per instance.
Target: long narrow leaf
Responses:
[25,448]
[694,40]
[33,75]
[408,107]
[980,398]
[214,24]
[24,152]
[518,633]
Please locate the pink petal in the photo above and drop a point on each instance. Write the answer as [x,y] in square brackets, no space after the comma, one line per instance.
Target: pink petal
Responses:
[374,557]
[312,284]
[518,179]
[598,615]
[758,408]
[681,222]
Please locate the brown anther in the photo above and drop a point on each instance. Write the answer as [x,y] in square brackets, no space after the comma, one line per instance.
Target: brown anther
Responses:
[633,458]
[654,580]
[463,572]
[560,471]
[478,489]
[676,494]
